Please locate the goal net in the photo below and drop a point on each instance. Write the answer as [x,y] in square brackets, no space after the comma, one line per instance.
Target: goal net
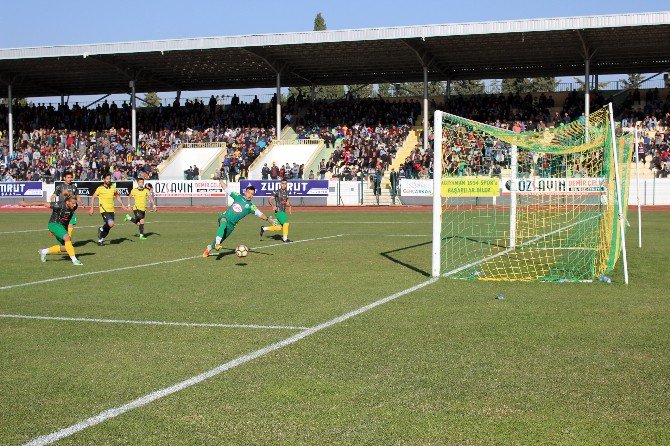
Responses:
[534,206]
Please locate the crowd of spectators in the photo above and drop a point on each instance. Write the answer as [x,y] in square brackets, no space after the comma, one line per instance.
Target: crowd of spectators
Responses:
[95,141]
[365,134]
[368,133]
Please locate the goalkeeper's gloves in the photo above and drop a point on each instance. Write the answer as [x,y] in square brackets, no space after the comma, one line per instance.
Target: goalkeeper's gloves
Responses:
[273,220]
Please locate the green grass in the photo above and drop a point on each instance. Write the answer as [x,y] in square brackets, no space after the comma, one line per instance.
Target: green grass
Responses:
[448,364]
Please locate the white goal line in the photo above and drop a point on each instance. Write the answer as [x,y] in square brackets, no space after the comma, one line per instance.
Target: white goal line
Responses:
[123,321]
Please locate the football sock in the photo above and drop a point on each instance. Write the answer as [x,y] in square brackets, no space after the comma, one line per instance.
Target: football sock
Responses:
[69,231]
[142,228]
[105,231]
[273,228]
[218,240]
[285,231]
[53,250]
[70,249]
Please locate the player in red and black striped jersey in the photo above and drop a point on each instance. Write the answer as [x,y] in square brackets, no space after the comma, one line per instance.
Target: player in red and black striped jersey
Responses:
[67,186]
[62,213]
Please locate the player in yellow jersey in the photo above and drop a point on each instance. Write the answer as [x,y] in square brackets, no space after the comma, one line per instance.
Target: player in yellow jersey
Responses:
[106,193]
[141,195]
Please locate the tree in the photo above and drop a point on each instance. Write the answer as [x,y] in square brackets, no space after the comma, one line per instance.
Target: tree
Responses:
[329,91]
[580,84]
[468,87]
[296,91]
[516,85]
[360,90]
[632,82]
[319,23]
[384,90]
[415,89]
[544,84]
[151,99]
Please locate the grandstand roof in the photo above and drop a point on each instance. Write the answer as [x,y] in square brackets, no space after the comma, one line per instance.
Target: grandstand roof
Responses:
[626,43]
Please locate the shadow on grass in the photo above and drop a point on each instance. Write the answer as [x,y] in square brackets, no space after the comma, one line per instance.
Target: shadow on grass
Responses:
[79,255]
[118,241]
[389,256]
[81,243]
[221,254]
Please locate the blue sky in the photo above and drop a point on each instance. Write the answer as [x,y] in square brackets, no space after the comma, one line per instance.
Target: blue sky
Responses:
[48,22]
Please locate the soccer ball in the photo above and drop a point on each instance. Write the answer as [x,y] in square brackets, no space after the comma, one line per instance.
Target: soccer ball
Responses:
[241,251]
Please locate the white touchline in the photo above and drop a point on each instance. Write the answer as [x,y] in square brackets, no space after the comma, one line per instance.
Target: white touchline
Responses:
[122,321]
[144,265]
[192,221]
[153,396]
[92,226]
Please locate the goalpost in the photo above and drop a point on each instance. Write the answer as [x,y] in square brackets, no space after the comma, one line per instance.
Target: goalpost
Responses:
[543,206]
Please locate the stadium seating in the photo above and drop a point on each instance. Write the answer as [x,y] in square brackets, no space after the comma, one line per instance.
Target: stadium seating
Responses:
[358,135]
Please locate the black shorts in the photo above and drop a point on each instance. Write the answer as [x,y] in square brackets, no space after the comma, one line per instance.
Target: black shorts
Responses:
[106,216]
[139,215]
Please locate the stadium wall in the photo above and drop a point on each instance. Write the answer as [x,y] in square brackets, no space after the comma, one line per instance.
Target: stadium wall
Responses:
[653,192]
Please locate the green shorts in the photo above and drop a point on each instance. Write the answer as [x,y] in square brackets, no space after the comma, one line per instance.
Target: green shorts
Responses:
[281,217]
[228,229]
[73,220]
[58,231]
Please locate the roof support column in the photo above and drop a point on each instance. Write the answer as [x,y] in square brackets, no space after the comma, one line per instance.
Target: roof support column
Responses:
[133,116]
[425,108]
[595,82]
[312,90]
[10,122]
[278,104]
[448,94]
[587,96]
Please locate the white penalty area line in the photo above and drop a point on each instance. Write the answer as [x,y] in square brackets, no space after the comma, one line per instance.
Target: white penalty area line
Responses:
[180,324]
[144,265]
[367,234]
[158,394]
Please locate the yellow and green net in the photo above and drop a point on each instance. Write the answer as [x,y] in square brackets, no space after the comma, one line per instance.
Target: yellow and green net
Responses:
[555,217]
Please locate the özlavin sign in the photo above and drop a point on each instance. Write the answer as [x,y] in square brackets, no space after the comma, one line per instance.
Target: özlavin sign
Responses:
[186,188]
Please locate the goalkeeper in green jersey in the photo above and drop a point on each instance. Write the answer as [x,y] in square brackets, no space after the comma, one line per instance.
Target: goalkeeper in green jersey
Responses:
[241,207]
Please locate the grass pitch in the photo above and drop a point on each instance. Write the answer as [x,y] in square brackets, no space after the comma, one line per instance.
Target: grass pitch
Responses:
[447,364]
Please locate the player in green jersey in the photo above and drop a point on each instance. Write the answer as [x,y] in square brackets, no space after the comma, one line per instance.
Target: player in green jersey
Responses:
[241,207]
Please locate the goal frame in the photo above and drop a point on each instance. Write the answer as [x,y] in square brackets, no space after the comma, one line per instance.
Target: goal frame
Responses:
[437,194]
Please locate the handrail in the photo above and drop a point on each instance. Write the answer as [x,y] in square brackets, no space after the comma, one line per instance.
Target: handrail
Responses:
[288,142]
[202,145]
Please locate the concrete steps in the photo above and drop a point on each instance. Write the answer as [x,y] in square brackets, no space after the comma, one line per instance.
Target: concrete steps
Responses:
[369,198]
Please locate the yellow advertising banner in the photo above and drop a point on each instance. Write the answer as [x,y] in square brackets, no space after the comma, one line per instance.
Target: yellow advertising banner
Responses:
[470,187]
